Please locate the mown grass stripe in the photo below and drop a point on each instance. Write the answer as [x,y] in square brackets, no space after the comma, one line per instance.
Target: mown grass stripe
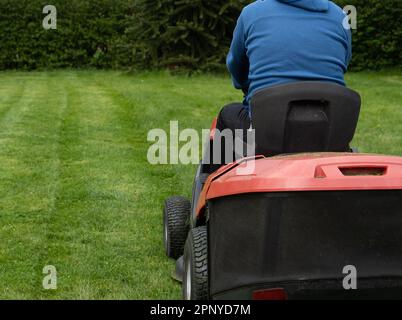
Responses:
[26,191]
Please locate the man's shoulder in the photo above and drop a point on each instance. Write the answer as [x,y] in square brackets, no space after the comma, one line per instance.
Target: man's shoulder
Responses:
[256,6]
[258,3]
[336,10]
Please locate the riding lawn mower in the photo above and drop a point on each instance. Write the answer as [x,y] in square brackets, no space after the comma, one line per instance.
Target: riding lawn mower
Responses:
[310,207]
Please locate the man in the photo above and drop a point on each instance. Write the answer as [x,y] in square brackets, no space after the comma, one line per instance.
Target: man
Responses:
[282,41]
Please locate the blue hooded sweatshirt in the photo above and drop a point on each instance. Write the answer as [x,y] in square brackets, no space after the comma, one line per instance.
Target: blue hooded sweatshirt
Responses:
[281,41]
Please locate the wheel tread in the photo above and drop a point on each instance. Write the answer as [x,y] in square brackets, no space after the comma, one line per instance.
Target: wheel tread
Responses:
[197,248]
[177,214]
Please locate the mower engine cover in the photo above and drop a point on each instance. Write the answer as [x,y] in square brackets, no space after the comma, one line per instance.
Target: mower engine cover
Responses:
[296,221]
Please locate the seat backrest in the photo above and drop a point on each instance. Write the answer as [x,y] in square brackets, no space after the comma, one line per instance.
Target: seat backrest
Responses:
[304,117]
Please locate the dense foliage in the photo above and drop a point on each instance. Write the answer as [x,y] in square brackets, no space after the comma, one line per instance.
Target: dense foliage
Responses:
[377,41]
[190,33]
[194,34]
[85,30]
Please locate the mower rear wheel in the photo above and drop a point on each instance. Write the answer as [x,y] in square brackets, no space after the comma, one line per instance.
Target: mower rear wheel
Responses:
[176,225]
[195,280]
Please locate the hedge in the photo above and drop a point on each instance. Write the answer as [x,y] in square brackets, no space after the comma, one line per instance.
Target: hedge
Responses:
[85,30]
[191,34]
[377,41]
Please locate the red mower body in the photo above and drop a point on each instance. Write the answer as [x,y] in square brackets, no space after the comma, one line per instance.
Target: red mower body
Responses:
[294,222]
[304,172]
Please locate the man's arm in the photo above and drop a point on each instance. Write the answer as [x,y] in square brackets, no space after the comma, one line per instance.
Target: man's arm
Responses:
[349,53]
[237,61]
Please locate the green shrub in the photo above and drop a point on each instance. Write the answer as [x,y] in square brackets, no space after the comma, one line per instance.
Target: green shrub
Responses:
[194,34]
[377,41]
[84,31]
[191,34]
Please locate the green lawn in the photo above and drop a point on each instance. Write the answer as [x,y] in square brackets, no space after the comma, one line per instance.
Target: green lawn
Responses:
[77,192]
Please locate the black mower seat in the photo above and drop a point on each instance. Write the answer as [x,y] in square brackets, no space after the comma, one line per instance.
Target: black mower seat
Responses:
[304,117]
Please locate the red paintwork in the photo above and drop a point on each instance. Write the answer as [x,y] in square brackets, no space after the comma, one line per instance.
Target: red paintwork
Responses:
[303,172]
[278,294]
[213,129]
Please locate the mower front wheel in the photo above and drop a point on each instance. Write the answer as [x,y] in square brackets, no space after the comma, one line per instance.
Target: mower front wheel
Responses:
[176,225]
[195,280]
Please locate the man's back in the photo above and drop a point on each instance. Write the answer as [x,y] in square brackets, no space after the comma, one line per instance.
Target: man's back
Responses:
[281,41]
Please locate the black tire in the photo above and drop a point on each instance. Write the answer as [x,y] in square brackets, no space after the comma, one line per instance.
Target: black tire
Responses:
[195,280]
[176,221]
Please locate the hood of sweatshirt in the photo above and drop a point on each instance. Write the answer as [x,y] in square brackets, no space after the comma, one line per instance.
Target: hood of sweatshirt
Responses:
[311,5]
